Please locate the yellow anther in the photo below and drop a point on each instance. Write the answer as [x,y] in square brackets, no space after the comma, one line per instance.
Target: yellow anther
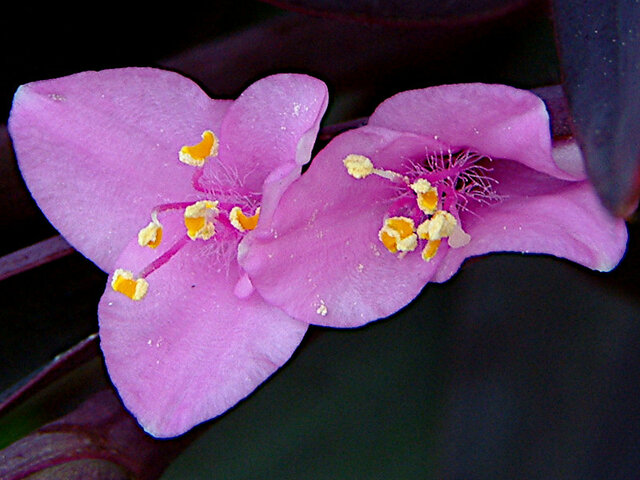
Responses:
[150,236]
[428,201]
[421,185]
[427,195]
[196,155]
[398,234]
[440,225]
[358,166]
[239,220]
[430,250]
[124,283]
[197,219]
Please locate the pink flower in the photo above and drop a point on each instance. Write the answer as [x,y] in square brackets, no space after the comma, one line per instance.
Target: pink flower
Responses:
[157,183]
[438,175]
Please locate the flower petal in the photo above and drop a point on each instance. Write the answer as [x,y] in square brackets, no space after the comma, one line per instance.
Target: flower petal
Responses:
[540,214]
[272,124]
[320,258]
[495,120]
[190,349]
[99,149]
[324,232]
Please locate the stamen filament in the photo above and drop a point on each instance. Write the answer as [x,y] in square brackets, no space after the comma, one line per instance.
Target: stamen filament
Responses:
[391,175]
[165,257]
[166,207]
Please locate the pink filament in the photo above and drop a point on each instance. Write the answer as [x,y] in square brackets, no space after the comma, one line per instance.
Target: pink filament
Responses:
[165,257]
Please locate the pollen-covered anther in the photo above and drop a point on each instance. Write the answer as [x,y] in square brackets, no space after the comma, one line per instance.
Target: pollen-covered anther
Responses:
[242,222]
[134,288]
[430,249]
[151,235]
[196,155]
[440,225]
[427,195]
[358,166]
[198,219]
[398,234]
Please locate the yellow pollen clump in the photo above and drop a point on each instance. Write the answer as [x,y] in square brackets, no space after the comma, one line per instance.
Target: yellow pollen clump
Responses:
[150,236]
[398,234]
[427,195]
[124,283]
[430,250]
[440,225]
[197,219]
[358,166]
[239,220]
[422,185]
[196,155]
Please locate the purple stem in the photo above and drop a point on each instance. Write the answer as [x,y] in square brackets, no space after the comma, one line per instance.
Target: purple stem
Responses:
[33,256]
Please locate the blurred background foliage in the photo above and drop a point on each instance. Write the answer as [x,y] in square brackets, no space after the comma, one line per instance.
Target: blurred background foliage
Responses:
[519,367]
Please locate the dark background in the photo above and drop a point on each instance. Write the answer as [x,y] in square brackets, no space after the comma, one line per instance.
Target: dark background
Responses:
[519,367]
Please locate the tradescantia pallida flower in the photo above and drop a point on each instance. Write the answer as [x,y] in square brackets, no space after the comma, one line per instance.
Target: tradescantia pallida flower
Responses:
[438,175]
[157,183]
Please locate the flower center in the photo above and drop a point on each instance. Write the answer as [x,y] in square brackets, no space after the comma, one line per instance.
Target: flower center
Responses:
[204,221]
[431,194]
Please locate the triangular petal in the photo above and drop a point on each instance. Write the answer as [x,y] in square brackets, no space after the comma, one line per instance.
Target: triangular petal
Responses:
[495,120]
[99,149]
[273,124]
[540,214]
[190,349]
[320,258]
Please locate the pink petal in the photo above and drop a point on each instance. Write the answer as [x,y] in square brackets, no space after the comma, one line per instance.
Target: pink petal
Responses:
[320,259]
[495,120]
[272,126]
[99,149]
[190,349]
[540,214]
[324,234]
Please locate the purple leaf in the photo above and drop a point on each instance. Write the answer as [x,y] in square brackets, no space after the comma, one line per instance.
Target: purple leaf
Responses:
[73,358]
[599,48]
[33,256]
[99,440]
